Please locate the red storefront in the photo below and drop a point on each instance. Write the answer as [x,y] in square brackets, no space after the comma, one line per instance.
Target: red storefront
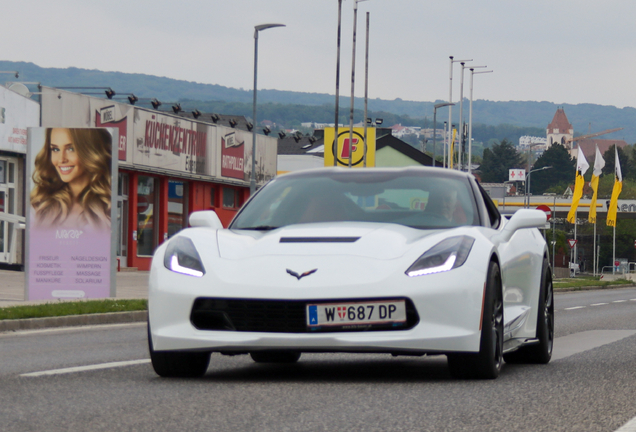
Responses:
[169,167]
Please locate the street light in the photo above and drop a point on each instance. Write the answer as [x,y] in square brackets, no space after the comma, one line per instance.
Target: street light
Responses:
[470,116]
[528,183]
[353,79]
[450,100]
[256,30]
[439,105]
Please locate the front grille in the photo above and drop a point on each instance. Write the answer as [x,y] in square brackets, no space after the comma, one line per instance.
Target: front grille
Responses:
[275,316]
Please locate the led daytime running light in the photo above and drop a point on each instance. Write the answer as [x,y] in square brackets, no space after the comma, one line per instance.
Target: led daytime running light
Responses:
[448,265]
[174,266]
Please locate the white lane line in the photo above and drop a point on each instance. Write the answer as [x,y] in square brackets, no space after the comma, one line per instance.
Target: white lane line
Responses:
[630,426]
[575,307]
[575,343]
[599,304]
[86,368]
[619,301]
[632,299]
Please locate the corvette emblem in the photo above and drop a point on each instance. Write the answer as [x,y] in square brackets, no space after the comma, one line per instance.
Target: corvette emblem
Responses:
[300,276]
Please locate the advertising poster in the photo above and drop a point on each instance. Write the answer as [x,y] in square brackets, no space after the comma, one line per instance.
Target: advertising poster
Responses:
[71,183]
[340,147]
[236,155]
[232,154]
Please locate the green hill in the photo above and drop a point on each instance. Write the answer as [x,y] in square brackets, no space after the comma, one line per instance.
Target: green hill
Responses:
[291,108]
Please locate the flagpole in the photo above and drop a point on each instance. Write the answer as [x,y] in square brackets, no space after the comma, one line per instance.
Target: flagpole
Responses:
[614,251]
[594,253]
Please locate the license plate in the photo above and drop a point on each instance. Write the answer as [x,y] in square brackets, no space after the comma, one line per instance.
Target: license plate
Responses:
[356,314]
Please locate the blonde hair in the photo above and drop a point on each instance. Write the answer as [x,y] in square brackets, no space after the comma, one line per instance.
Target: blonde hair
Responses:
[51,198]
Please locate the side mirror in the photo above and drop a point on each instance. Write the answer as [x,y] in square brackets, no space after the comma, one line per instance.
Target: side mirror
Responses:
[205,219]
[524,218]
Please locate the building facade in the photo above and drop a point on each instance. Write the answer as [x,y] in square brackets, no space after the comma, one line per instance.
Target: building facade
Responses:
[169,166]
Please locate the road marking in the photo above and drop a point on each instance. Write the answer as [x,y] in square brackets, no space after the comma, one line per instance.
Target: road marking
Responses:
[575,307]
[619,301]
[630,426]
[599,304]
[86,368]
[579,342]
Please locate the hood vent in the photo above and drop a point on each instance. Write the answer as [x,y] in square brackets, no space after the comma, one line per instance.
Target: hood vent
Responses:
[318,239]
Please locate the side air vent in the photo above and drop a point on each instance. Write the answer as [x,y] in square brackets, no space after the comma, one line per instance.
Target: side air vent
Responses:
[318,239]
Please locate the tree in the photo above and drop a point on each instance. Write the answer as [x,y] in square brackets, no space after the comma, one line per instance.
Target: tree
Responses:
[563,169]
[498,160]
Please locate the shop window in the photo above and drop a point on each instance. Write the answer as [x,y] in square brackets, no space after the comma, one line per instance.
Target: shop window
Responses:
[212,197]
[230,198]
[3,171]
[147,219]
[177,206]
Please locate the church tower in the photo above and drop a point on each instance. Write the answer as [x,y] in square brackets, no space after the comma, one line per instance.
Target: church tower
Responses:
[560,130]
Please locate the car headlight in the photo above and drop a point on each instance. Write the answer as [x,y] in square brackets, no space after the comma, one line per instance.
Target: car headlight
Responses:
[182,257]
[444,256]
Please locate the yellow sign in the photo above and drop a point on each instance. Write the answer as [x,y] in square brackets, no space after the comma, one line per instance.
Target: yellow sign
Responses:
[343,147]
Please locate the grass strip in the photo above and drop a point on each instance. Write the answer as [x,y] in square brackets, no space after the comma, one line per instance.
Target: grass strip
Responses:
[588,282]
[58,309]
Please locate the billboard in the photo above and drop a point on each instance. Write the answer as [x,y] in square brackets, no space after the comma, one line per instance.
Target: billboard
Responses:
[71,184]
[173,143]
[341,147]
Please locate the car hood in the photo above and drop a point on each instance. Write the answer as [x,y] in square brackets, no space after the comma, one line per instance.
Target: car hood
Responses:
[372,240]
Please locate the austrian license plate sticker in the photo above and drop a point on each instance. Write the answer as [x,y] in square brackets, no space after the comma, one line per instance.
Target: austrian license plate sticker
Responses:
[356,314]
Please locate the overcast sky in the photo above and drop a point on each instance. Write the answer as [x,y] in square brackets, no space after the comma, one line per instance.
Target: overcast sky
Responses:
[565,51]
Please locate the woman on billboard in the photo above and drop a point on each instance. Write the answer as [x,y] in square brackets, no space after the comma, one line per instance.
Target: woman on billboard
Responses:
[72,177]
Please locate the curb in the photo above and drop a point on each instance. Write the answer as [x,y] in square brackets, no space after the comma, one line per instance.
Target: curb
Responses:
[592,288]
[73,320]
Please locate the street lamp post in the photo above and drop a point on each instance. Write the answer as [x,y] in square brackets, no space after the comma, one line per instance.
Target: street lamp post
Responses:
[439,105]
[470,116]
[528,183]
[450,101]
[353,78]
[256,30]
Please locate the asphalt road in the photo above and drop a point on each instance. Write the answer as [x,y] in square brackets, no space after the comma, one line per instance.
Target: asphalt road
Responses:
[591,386]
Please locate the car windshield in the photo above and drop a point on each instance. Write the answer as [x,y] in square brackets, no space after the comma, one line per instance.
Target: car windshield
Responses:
[425,199]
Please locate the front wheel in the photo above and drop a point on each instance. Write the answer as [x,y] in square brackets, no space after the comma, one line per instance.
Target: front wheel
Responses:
[487,363]
[177,364]
[540,352]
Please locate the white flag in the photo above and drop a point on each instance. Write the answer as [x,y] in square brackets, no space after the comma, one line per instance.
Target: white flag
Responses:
[581,163]
[599,163]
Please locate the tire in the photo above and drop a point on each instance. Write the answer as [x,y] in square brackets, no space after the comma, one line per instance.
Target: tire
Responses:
[541,352]
[487,363]
[275,356]
[178,364]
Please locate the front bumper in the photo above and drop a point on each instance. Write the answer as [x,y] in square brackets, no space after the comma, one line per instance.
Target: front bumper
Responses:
[448,305]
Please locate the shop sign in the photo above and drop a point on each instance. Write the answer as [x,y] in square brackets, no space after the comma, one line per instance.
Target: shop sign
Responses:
[173,143]
[17,113]
[349,146]
[106,117]
[233,155]
[70,253]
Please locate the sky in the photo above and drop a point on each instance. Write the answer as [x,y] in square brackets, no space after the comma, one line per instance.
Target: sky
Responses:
[565,52]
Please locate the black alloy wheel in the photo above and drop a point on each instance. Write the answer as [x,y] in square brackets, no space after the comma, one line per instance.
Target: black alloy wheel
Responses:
[488,362]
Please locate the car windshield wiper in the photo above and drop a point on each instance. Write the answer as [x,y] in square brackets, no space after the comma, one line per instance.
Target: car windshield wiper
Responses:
[260,228]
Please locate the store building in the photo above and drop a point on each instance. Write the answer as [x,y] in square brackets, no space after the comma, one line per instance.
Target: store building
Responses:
[17,113]
[169,166]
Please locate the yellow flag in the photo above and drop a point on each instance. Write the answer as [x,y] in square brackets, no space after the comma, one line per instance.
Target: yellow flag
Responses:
[599,163]
[581,167]
[618,187]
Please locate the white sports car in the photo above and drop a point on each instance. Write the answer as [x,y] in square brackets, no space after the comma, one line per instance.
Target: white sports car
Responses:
[412,261]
